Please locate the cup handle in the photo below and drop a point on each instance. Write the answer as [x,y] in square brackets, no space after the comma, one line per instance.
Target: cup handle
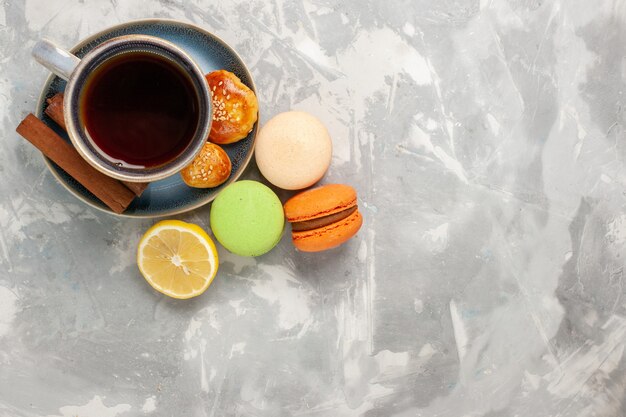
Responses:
[57,60]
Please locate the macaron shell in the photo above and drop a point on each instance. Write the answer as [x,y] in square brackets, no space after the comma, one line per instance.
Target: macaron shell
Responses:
[293,150]
[247,218]
[328,237]
[319,202]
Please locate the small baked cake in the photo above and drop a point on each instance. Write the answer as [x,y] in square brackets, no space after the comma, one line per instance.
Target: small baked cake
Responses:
[209,169]
[235,107]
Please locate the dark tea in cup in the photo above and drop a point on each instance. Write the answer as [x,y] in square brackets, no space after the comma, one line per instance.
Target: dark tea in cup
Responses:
[140,109]
[136,107]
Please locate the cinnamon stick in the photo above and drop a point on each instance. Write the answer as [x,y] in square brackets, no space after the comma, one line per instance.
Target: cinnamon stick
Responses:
[136,187]
[109,190]
[54,110]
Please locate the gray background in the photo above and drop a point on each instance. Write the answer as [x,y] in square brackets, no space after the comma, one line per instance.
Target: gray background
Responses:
[486,141]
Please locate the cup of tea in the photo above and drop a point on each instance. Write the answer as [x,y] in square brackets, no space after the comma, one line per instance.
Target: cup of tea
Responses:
[136,107]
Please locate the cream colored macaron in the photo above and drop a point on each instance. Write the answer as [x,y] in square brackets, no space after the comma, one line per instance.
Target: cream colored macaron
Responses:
[293,150]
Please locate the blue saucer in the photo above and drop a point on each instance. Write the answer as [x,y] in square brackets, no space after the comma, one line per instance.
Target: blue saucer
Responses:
[171,195]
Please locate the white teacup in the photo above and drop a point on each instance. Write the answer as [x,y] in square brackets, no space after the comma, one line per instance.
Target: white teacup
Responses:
[77,72]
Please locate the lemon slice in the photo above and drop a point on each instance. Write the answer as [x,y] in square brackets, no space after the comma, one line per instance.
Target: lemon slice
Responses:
[178,259]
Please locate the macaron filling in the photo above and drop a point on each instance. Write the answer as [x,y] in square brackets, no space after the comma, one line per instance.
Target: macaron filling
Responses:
[322,221]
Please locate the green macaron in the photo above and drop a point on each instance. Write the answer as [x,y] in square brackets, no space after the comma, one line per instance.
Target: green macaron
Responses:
[247,218]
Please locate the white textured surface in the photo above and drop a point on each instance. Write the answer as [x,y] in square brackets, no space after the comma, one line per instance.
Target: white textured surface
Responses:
[486,141]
